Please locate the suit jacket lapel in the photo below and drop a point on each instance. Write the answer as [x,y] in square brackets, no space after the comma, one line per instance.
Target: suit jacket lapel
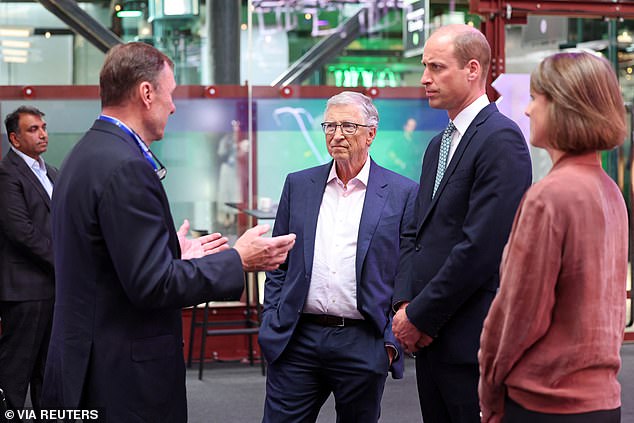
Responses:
[312,202]
[51,172]
[28,175]
[472,130]
[375,196]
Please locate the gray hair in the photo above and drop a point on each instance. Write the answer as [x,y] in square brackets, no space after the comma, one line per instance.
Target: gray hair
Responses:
[363,102]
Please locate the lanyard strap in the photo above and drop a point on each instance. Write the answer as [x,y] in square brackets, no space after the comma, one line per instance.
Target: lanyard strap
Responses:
[135,137]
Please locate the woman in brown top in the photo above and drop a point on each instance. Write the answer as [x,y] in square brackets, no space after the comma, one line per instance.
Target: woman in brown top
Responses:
[550,345]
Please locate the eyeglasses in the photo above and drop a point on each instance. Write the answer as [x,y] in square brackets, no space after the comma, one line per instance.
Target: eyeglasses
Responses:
[160,170]
[347,128]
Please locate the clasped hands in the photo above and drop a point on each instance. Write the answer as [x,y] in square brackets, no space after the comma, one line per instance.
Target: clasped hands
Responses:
[256,252]
[408,335]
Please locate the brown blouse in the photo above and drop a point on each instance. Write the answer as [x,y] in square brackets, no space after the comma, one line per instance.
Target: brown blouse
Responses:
[552,337]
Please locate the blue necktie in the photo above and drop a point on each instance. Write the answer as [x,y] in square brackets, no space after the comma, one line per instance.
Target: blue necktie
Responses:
[445,144]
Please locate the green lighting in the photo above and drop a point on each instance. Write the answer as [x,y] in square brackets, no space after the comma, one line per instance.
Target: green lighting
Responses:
[129,14]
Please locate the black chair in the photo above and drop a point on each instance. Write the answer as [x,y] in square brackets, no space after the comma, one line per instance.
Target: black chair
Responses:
[250,326]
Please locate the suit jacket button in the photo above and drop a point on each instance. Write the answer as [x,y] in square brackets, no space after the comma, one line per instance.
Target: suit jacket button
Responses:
[418,247]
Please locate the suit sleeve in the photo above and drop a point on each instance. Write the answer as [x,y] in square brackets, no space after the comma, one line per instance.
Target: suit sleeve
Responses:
[502,174]
[403,291]
[136,226]
[18,226]
[521,313]
[406,247]
[275,279]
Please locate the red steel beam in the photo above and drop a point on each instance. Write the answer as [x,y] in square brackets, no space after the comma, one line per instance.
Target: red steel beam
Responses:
[584,8]
[498,13]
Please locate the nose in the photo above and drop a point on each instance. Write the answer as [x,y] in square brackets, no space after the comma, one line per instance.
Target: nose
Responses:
[527,111]
[425,79]
[338,134]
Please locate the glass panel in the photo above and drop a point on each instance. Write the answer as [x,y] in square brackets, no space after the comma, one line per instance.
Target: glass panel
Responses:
[289,138]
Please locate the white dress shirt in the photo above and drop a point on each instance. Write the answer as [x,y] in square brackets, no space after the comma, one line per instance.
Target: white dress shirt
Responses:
[463,120]
[333,285]
[39,169]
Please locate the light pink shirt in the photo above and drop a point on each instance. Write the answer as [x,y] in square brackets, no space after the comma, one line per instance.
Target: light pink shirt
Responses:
[333,286]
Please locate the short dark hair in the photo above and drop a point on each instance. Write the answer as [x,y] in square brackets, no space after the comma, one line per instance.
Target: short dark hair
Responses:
[12,121]
[126,66]
[586,111]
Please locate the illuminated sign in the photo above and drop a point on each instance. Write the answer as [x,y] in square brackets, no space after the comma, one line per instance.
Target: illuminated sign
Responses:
[357,76]
[413,28]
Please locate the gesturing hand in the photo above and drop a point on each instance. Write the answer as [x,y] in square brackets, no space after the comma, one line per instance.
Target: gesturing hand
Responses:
[202,246]
[259,253]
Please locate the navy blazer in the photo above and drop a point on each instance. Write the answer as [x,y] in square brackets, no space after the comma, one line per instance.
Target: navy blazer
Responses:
[26,248]
[451,276]
[117,332]
[388,207]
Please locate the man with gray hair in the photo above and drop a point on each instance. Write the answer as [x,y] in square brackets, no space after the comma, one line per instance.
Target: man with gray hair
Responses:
[326,323]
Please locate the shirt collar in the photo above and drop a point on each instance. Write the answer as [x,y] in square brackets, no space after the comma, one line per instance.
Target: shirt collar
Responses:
[362,176]
[469,113]
[30,162]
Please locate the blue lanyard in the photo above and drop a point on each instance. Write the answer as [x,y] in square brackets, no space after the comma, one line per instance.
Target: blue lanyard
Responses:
[135,137]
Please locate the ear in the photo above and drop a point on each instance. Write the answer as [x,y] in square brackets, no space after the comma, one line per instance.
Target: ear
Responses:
[371,135]
[146,93]
[13,139]
[474,69]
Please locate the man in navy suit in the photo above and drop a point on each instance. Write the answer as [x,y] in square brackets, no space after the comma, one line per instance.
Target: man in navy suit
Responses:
[327,310]
[27,279]
[123,273]
[474,175]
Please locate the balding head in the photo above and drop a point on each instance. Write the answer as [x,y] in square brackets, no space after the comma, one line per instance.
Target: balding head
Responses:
[469,44]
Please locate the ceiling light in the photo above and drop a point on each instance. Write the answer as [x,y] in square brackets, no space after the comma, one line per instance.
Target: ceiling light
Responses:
[15,44]
[15,32]
[129,14]
[14,59]
[14,52]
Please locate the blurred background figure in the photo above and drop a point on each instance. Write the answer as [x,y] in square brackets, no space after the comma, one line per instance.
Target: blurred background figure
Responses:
[229,190]
[27,278]
[550,343]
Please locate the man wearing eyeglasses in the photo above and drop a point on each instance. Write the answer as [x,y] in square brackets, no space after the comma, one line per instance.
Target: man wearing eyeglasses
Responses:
[123,272]
[326,324]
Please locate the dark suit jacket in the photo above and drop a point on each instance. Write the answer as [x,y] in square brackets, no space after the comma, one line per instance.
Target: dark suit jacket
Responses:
[451,276]
[388,206]
[117,336]
[26,250]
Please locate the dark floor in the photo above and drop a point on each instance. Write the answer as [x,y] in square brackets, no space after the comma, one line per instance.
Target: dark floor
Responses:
[234,393]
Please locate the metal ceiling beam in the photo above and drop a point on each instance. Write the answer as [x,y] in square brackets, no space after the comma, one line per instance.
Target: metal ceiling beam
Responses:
[498,13]
[324,51]
[82,23]
[581,8]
